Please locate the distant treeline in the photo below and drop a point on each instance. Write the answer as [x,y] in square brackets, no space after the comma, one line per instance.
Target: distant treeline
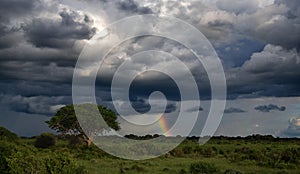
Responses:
[256,137]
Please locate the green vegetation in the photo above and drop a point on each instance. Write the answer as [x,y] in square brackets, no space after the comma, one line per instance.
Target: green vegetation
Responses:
[203,168]
[221,155]
[45,140]
[66,153]
[7,135]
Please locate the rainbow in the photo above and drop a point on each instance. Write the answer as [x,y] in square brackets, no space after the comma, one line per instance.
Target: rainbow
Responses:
[164,126]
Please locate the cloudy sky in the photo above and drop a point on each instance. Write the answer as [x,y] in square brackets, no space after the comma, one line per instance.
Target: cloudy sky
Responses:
[257,41]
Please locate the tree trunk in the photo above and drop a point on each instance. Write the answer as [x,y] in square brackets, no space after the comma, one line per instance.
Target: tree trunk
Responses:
[88,142]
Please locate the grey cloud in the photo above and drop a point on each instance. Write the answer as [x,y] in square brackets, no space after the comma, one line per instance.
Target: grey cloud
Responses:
[9,33]
[142,106]
[279,79]
[195,109]
[276,24]
[32,72]
[8,37]
[45,67]
[155,80]
[133,7]
[24,52]
[270,107]
[43,32]
[272,72]
[35,88]
[233,110]
[16,7]
[35,105]
[238,6]
[226,20]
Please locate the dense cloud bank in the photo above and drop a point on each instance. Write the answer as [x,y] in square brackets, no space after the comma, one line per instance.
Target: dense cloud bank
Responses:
[40,41]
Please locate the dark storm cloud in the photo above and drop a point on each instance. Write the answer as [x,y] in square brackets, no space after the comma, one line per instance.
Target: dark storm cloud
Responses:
[31,72]
[8,11]
[235,54]
[35,88]
[272,72]
[270,107]
[233,110]
[43,32]
[39,56]
[35,105]
[8,36]
[133,7]
[40,43]
[11,8]
[143,106]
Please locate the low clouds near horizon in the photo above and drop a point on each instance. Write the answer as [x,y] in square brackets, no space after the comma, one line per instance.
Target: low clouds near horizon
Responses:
[233,110]
[270,107]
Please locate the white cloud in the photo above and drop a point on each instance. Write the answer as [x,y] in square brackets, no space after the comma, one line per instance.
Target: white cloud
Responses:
[55,108]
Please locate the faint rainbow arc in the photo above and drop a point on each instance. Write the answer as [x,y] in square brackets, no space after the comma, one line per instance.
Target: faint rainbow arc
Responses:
[164,126]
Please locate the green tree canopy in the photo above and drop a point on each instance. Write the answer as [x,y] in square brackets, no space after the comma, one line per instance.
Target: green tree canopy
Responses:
[65,121]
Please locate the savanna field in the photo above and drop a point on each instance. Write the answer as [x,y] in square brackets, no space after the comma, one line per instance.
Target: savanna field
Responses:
[48,153]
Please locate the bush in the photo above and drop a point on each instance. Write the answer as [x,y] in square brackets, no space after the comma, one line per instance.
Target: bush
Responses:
[6,150]
[45,140]
[208,152]
[138,168]
[230,171]
[290,155]
[177,152]
[76,140]
[5,134]
[63,163]
[182,171]
[187,149]
[203,168]
[25,162]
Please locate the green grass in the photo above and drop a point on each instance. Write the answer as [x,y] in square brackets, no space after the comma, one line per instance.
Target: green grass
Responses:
[171,165]
[240,155]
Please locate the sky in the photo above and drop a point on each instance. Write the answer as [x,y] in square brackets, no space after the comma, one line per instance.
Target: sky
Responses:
[257,42]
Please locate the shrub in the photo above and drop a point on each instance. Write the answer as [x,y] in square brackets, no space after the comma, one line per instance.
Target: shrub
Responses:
[182,171]
[76,140]
[208,152]
[187,149]
[290,155]
[63,163]
[6,150]
[138,168]
[5,134]
[45,140]
[231,171]
[203,168]
[177,152]
[25,161]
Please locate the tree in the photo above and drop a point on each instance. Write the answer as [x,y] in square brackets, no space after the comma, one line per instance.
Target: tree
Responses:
[45,140]
[65,121]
